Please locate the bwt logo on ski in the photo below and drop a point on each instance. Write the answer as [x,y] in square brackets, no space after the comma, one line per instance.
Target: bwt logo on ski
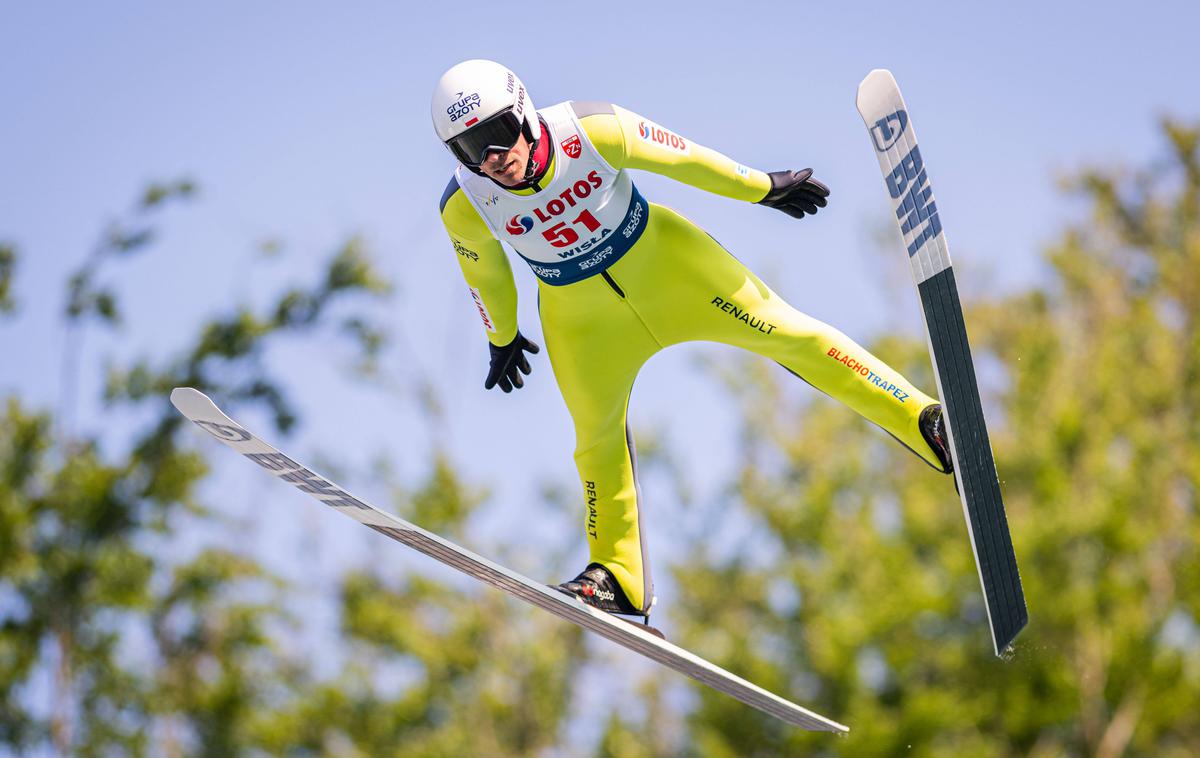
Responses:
[651,132]
[908,181]
[463,106]
[519,225]
[225,432]
[305,480]
[888,129]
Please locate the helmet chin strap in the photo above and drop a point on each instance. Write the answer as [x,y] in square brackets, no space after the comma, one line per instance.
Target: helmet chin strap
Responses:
[531,165]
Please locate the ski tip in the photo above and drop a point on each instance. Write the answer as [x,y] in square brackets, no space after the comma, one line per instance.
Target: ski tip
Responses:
[877,77]
[184,394]
[190,401]
[878,94]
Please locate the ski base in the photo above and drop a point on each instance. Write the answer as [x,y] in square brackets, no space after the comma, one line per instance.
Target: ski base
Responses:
[916,213]
[978,483]
[636,637]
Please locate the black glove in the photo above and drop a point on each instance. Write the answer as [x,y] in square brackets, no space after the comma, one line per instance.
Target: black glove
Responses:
[506,361]
[795,193]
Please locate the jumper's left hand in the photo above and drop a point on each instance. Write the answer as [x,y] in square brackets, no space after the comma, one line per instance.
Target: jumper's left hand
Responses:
[509,362]
[795,193]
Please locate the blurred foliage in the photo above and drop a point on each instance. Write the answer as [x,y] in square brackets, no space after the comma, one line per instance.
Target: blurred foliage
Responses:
[111,642]
[868,607]
[851,588]
[8,270]
[233,345]
[87,297]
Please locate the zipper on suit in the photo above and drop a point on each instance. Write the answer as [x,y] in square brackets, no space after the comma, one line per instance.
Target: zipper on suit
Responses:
[613,284]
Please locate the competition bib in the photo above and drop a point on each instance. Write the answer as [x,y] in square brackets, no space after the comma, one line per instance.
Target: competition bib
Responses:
[579,224]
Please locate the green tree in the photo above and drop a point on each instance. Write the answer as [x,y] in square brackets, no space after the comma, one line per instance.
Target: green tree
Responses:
[8,265]
[435,668]
[853,589]
[83,529]
[150,654]
[857,591]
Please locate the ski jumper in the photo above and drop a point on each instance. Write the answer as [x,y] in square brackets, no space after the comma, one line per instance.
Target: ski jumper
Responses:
[620,278]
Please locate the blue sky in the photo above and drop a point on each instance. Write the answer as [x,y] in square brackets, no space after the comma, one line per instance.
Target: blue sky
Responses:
[307,122]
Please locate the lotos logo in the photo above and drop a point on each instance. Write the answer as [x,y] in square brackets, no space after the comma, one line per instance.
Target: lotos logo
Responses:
[651,132]
[483,311]
[572,146]
[560,235]
[519,225]
[888,129]
[567,198]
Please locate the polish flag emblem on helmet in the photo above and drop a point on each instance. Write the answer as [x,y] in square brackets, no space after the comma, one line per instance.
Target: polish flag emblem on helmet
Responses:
[572,146]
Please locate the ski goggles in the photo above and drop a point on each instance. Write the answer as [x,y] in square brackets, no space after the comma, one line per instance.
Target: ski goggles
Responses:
[496,134]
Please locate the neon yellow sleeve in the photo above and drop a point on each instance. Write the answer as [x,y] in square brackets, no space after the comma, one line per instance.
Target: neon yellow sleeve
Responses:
[484,266]
[627,140]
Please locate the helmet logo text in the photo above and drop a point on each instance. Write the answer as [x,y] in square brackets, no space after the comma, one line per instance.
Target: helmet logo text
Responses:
[463,107]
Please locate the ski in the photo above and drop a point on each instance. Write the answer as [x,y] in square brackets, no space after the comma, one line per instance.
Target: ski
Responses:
[198,408]
[904,173]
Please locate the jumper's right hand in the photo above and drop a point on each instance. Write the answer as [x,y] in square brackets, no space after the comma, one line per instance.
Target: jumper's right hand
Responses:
[509,362]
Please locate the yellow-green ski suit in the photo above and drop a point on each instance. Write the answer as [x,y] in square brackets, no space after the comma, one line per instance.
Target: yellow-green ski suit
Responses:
[675,284]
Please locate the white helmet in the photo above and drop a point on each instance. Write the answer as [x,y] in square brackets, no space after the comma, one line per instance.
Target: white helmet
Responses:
[479,107]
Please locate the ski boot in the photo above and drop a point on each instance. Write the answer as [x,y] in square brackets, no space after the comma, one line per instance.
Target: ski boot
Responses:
[933,429]
[597,587]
